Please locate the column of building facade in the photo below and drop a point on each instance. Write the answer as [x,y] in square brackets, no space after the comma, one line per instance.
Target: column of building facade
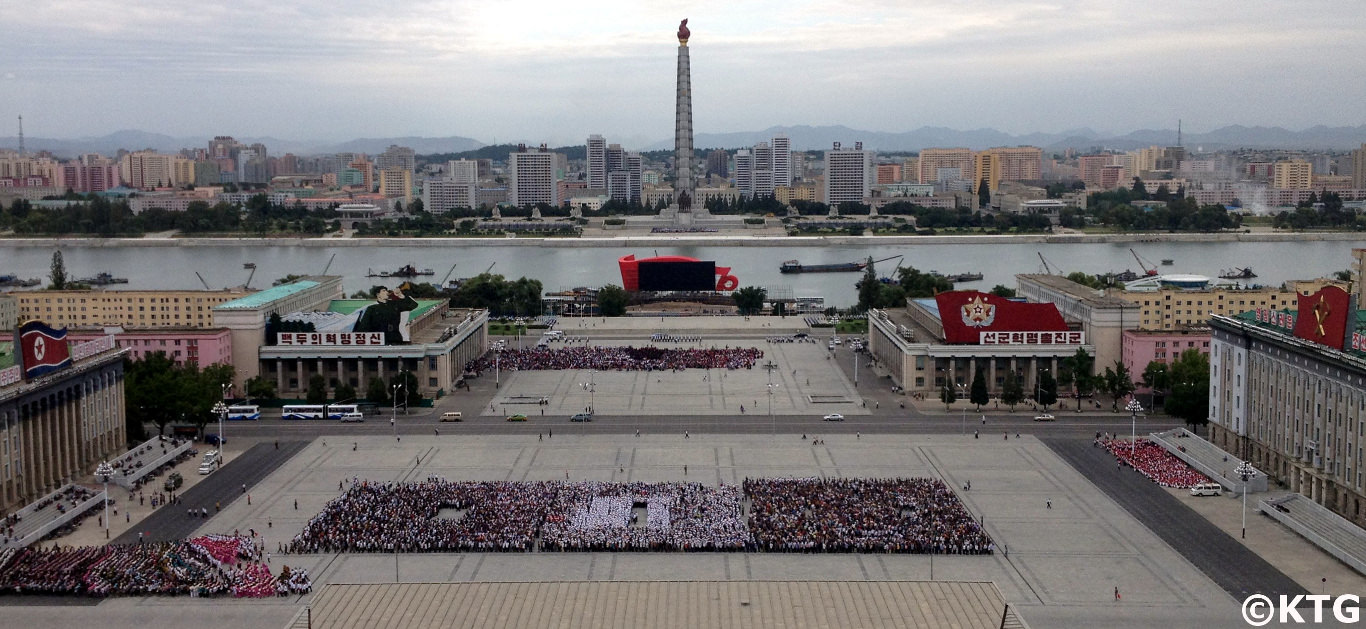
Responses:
[116,412]
[63,458]
[23,473]
[52,436]
[12,483]
[40,435]
[299,375]
[341,375]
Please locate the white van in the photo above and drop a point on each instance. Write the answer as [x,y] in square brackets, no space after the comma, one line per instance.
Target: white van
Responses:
[1207,489]
[353,417]
[451,416]
[212,459]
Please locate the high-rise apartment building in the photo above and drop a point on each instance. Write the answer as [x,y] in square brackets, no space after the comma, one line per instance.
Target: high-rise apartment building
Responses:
[223,147]
[397,157]
[888,173]
[718,163]
[396,182]
[1359,168]
[763,170]
[941,164]
[986,167]
[1089,167]
[1295,174]
[782,160]
[1018,163]
[462,171]
[597,162]
[90,173]
[910,170]
[145,170]
[848,174]
[444,195]
[744,172]
[531,177]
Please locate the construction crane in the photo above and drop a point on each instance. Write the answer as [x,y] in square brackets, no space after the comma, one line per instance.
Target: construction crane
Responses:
[1048,269]
[1149,268]
[448,276]
[201,280]
[329,264]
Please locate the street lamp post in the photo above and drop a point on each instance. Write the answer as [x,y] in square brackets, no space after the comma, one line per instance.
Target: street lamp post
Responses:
[964,390]
[222,410]
[393,420]
[1246,472]
[1038,389]
[1134,409]
[104,471]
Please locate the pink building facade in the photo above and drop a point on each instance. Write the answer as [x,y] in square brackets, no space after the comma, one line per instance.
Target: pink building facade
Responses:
[203,347]
[1145,346]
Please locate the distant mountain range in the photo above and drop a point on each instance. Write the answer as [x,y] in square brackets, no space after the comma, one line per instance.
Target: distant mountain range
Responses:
[1230,137]
[803,138]
[134,140]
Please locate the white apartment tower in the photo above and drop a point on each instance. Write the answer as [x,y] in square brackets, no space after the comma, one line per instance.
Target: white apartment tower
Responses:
[444,195]
[763,170]
[744,172]
[597,162]
[848,174]
[531,177]
[782,160]
[463,171]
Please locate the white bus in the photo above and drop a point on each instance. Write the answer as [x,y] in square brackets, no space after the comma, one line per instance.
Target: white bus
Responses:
[315,411]
[244,412]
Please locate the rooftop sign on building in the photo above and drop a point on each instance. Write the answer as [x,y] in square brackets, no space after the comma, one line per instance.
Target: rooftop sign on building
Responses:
[971,318]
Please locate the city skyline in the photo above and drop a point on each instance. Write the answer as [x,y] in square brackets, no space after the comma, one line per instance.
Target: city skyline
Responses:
[500,73]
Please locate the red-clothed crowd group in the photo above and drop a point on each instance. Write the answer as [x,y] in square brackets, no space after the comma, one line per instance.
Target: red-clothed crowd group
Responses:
[211,565]
[1154,461]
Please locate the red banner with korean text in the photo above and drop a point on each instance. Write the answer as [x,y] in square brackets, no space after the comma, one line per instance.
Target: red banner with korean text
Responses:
[967,313]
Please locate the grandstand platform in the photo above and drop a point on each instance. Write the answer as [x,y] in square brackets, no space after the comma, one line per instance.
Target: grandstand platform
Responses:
[49,513]
[1323,528]
[1209,460]
[145,458]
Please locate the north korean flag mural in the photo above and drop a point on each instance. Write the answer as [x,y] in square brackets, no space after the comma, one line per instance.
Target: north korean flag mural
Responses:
[966,314]
[1322,317]
[42,349]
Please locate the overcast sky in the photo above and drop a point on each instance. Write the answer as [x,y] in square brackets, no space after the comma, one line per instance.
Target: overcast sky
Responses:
[508,71]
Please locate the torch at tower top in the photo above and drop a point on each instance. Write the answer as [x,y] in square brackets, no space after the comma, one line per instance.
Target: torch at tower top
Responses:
[683,32]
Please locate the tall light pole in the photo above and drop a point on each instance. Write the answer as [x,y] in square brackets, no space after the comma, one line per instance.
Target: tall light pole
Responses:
[1246,472]
[1134,409]
[591,387]
[1038,389]
[104,471]
[222,410]
[393,421]
[773,423]
[964,389]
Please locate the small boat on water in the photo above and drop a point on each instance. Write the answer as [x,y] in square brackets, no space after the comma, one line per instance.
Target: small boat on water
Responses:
[16,281]
[248,265]
[965,277]
[1168,261]
[406,270]
[1237,273]
[793,266]
[102,279]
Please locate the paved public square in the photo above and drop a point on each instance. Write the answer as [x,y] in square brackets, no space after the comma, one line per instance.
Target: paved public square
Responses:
[1058,566]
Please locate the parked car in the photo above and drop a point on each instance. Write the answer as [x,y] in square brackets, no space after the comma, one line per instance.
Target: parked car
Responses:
[517,418]
[581,417]
[834,417]
[1044,418]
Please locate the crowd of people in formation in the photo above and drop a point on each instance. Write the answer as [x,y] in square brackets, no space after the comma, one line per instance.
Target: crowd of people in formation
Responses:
[899,515]
[1153,461]
[407,517]
[660,337]
[598,516]
[786,515]
[790,339]
[619,359]
[209,565]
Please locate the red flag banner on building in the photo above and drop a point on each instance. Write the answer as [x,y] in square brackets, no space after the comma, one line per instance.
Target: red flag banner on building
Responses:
[966,314]
[1322,317]
[42,349]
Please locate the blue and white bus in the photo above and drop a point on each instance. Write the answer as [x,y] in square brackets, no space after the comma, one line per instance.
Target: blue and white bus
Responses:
[317,411]
[239,412]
